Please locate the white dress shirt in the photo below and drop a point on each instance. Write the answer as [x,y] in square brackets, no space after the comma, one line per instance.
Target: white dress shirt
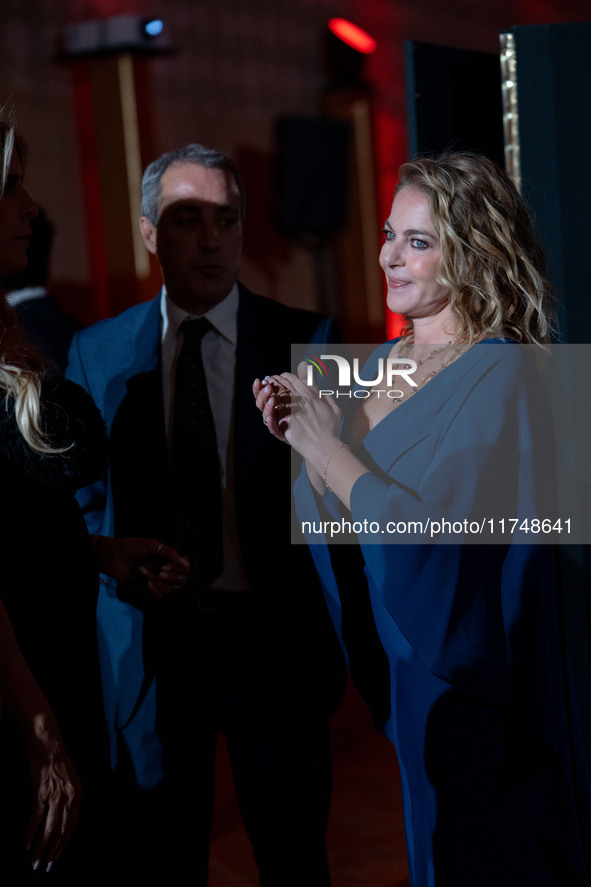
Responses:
[219,360]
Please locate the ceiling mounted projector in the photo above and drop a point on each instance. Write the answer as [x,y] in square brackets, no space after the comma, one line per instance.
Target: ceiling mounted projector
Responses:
[116,34]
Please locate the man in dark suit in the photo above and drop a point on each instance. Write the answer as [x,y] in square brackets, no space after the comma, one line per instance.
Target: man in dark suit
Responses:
[248,651]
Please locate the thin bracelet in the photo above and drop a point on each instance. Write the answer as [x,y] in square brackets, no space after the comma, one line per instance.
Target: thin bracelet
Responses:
[340,447]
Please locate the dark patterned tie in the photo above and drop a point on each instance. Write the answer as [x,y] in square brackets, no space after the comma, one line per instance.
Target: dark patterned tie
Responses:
[195,462]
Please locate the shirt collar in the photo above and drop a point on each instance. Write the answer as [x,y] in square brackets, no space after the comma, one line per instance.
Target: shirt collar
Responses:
[223,316]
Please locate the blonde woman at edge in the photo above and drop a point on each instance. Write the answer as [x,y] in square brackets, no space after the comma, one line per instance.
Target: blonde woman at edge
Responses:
[52,735]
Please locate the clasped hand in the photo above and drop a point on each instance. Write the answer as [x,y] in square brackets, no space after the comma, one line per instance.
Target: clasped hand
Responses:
[295,413]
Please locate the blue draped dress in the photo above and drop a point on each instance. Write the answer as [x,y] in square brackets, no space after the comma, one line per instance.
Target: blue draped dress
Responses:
[476,677]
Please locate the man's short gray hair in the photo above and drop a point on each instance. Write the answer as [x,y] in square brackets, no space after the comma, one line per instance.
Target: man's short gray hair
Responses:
[194,153]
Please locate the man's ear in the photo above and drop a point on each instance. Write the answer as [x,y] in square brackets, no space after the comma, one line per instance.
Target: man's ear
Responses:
[149,234]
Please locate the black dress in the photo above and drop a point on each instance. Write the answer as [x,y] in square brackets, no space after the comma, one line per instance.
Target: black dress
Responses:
[49,585]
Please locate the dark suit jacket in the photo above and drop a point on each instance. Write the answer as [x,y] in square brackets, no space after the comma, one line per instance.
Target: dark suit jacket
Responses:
[48,327]
[118,362]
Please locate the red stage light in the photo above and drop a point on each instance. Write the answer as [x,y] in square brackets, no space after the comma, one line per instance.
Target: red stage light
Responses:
[352,35]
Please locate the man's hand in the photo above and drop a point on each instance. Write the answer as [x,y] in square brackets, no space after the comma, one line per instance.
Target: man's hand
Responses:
[147,561]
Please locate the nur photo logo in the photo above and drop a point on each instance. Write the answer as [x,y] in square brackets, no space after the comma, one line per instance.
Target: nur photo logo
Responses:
[349,373]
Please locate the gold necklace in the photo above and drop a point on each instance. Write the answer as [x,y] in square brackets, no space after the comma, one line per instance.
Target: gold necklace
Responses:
[407,350]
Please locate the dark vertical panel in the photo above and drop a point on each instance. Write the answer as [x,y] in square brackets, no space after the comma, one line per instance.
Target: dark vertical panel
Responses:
[554,101]
[453,100]
[554,105]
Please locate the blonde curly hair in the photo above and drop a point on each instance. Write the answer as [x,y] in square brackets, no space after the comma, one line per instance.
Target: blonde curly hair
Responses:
[491,262]
[21,367]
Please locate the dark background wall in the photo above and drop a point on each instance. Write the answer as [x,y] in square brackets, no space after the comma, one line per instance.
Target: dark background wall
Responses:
[238,67]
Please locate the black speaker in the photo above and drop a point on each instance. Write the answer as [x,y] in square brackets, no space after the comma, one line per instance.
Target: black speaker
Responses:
[312,174]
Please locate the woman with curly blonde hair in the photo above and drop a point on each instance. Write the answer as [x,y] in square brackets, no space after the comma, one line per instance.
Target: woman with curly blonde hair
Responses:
[491,263]
[425,468]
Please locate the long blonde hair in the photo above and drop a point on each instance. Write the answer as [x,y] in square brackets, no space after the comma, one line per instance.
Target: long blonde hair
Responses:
[491,262]
[21,368]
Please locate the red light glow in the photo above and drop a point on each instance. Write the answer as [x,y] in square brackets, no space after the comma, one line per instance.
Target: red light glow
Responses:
[352,35]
